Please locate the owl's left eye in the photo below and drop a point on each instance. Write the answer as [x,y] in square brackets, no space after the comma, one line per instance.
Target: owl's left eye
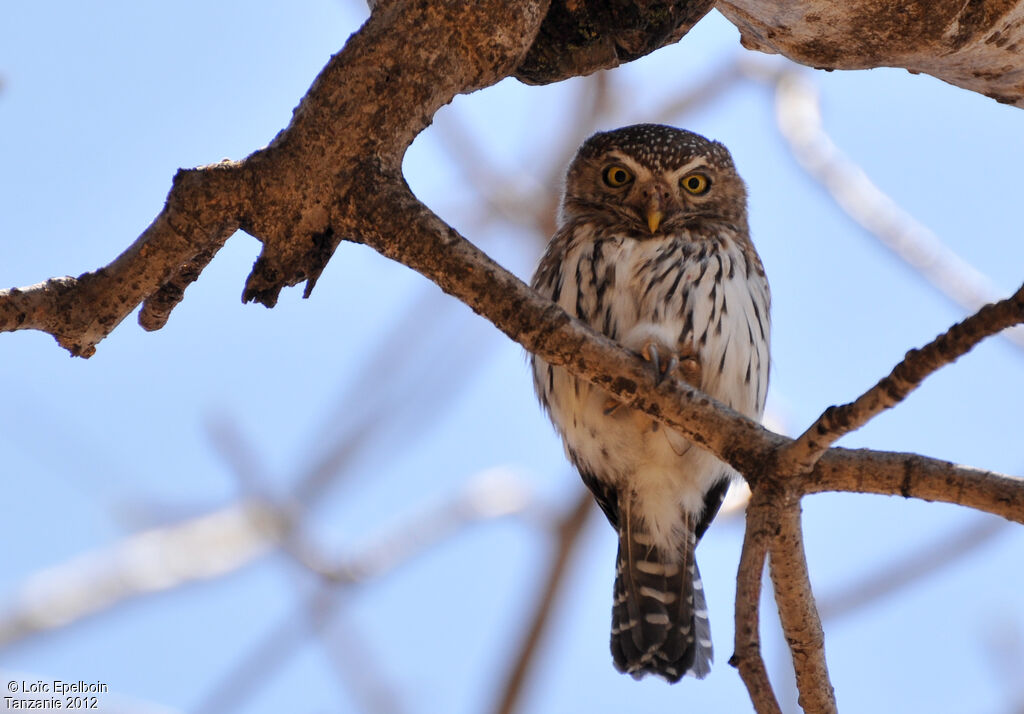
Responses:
[617,176]
[697,184]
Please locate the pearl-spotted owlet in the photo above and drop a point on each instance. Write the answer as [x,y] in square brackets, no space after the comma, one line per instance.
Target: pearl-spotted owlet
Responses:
[653,250]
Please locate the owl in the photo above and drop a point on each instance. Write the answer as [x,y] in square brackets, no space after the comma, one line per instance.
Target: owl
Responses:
[653,250]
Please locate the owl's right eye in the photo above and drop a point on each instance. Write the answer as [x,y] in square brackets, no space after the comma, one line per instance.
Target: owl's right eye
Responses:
[617,176]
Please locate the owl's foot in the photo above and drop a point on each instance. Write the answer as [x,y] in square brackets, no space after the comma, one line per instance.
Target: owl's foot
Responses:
[684,364]
[664,361]
[689,368]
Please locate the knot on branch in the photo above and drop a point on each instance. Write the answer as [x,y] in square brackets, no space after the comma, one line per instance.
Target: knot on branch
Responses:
[289,262]
[579,37]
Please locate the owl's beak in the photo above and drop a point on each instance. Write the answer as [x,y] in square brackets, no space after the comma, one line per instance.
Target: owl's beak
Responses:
[654,217]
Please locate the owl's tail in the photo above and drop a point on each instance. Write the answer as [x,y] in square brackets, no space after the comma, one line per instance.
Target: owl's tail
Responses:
[659,616]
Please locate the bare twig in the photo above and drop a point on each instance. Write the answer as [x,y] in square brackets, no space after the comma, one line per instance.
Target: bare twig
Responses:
[801,455]
[747,647]
[315,615]
[797,611]
[567,534]
[529,196]
[393,393]
[318,609]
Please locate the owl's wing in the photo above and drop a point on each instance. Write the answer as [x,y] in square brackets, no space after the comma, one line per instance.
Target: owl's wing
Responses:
[606,495]
[712,503]
[547,280]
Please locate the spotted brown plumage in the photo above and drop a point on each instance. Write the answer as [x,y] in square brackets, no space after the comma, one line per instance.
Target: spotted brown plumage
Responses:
[653,250]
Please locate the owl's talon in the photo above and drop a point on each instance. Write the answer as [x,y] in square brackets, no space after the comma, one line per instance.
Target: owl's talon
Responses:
[652,353]
[683,364]
[671,366]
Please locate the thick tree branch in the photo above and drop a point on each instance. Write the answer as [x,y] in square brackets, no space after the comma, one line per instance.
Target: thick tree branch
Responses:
[302,194]
[975,45]
[801,455]
[582,36]
[409,233]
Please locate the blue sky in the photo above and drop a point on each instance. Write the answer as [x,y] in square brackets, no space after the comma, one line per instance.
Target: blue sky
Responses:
[101,104]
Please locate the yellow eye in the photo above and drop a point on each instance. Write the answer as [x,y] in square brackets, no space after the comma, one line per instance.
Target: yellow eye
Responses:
[617,176]
[696,184]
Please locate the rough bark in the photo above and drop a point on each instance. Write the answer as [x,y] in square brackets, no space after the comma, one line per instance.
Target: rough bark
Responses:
[797,610]
[582,36]
[974,44]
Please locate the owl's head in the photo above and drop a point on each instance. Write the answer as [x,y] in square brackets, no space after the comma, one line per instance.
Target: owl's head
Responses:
[651,179]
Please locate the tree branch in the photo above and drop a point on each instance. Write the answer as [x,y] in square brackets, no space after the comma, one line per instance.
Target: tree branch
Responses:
[797,611]
[747,657]
[914,476]
[79,312]
[301,194]
[578,38]
[975,45]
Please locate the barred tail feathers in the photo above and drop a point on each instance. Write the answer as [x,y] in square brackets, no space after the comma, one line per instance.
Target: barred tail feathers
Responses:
[659,616]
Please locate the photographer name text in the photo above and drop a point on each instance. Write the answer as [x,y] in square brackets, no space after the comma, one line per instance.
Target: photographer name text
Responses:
[53,694]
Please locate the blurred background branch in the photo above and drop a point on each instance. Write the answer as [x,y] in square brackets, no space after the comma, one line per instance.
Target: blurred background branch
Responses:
[798,116]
